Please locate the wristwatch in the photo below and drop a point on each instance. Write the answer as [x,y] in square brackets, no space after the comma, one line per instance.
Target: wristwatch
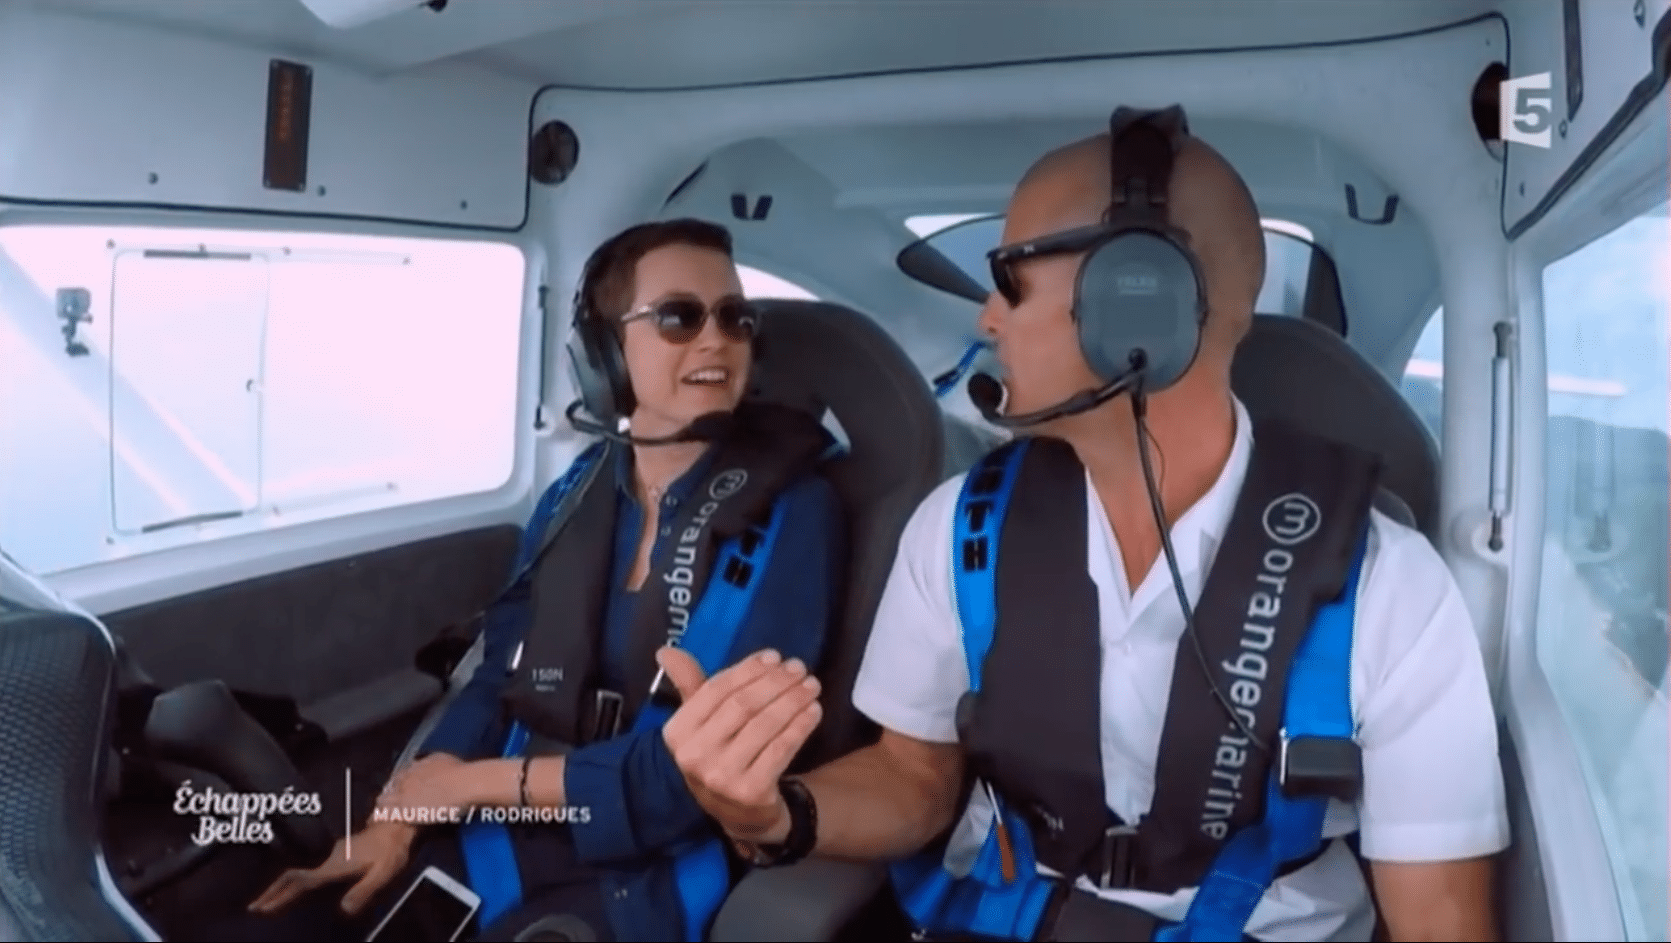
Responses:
[803,830]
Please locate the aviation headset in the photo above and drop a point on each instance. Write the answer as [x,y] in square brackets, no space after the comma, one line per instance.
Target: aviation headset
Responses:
[595,352]
[1139,297]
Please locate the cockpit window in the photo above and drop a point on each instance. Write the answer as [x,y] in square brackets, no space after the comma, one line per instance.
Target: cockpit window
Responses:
[188,385]
[1601,629]
[950,254]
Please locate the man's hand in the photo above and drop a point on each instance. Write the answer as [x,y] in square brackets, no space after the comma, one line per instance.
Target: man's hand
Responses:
[432,784]
[380,851]
[735,734]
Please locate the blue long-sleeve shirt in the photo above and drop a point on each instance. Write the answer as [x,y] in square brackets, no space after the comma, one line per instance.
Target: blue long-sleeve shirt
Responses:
[639,803]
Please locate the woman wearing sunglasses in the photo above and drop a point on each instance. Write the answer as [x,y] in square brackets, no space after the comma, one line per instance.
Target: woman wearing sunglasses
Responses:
[560,726]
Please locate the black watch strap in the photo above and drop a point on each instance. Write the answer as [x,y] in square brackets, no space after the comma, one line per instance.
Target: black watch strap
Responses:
[803,828]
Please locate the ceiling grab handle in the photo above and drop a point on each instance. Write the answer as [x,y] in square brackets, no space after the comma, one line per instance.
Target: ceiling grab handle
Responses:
[1502,431]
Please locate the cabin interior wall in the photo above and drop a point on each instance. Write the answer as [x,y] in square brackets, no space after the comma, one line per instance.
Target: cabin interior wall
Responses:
[172,119]
[1615,52]
[824,240]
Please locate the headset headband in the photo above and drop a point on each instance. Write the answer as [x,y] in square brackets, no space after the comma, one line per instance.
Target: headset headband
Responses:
[1142,145]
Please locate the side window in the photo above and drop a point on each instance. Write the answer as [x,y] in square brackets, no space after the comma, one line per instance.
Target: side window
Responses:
[169,386]
[761,284]
[1424,376]
[1288,259]
[1601,629]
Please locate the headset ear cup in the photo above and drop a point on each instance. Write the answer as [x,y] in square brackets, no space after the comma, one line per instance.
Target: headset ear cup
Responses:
[1140,290]
[614,360]
[600,371]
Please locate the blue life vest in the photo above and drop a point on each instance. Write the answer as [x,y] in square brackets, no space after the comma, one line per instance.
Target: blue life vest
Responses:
[701,870]
[1316,713]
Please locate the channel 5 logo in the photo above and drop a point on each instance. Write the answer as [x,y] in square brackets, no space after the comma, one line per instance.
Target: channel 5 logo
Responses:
[1527,110]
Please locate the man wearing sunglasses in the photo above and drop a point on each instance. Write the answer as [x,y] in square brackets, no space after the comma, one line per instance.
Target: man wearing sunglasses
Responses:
[1432,810]
[664,342]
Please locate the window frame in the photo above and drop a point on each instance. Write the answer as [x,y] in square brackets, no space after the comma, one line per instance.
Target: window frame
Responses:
[1581,878]
[176,567]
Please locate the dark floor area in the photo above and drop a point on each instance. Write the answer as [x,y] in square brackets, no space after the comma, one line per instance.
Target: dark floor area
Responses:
[142,829]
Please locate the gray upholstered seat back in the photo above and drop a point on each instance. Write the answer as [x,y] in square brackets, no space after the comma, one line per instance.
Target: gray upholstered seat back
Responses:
[823,356]
[1301,373]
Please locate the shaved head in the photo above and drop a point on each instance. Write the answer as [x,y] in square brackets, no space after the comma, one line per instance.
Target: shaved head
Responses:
[1207,199]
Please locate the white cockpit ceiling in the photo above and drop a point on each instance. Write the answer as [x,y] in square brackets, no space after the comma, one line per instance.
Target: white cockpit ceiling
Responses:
[674,44]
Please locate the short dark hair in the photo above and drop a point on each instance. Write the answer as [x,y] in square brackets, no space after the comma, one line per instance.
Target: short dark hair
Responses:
[607,287]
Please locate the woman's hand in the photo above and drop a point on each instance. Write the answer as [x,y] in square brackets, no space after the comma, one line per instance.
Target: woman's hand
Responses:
[374,856]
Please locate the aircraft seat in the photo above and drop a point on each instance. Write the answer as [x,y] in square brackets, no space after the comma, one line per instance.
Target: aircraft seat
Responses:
[1305,375]
[57,690]
[821,356]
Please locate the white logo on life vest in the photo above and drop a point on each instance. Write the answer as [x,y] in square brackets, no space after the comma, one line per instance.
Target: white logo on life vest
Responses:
[727,484]
[1292,519]
[546,679]
[681,578]
[1252,665]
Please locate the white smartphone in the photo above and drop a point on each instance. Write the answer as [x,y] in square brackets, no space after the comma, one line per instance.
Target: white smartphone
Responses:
[435,907]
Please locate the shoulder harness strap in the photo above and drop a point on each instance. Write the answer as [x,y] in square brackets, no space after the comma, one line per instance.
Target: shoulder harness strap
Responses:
[488,856]
[979,519]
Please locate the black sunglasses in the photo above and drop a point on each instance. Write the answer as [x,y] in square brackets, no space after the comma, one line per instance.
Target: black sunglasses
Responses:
[680,319]
[1002,259]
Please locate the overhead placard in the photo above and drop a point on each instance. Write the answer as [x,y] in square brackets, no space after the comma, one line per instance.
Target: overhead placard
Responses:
[289,113]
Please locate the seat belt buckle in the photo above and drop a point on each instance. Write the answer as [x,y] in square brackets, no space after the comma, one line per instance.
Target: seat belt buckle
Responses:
[1319,767]
[1119,858]
[606,715]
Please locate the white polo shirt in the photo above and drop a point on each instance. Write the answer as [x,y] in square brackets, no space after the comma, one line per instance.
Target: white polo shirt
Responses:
[1433,788]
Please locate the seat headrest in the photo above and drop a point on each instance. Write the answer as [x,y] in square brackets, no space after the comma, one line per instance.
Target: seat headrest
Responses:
[1301,373]
[815,355]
